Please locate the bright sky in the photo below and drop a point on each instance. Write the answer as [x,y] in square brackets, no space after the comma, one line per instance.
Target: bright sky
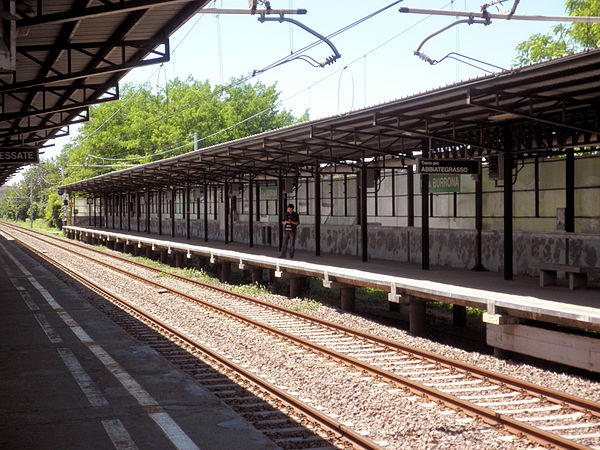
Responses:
[377,63]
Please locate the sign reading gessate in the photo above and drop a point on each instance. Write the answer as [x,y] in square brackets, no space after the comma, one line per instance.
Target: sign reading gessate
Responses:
[447,166]
[19,156]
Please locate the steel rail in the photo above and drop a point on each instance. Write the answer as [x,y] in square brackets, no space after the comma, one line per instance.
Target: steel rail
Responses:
[514,383]
[329,423]
[488,415]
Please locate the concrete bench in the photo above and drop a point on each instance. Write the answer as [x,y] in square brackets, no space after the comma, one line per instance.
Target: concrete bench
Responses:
[577,275]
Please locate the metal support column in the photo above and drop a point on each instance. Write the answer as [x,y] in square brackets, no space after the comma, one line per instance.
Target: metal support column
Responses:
[159,204]
[226,210]
[508,204]
[250,213]
[570,192]
[410,196]
[147,202]
[128,208]
[425,212]
[317,209]
[280,210]
[205,210]
[105,211]
[364,232]
[173,195]
[257,201]
[138,210]
[187,213]
[479,221]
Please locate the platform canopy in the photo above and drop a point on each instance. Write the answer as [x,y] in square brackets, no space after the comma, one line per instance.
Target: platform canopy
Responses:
[58,57]
[541,109]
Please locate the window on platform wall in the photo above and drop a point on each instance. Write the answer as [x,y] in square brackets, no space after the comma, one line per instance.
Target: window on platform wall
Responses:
[209,200]
[179,201]
[151,202]
[165,200]
[305,196]
[245,200]
[142,204]
[383,192]
[338,195]
[350,206]
[193,202]
[326,194]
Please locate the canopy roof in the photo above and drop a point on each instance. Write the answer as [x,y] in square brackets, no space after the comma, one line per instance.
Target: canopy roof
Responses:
[69,54]
[539,109]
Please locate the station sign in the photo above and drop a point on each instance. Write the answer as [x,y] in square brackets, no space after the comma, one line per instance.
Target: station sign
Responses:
[268,193]
[444,183]
[447,166]
[20,156]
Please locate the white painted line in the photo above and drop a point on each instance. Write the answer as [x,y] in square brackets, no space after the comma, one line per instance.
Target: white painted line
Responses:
[171,429]
[24,295]
[84,381]
[48,329]
[29,301]
[118,435]
[166,423]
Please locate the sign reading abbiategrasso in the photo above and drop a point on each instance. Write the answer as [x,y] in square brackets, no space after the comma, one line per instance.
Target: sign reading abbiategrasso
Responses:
[448,166]
[19,156]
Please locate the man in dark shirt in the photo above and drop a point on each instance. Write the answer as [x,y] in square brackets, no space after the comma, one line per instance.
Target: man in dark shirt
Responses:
[290,222]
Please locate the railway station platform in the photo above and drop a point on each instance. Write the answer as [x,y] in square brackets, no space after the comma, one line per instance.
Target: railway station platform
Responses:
[509,306]
[71,378]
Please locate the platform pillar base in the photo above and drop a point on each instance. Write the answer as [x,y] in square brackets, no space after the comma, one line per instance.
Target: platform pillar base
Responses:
[348,296]
[225,272]
[297,287]
[459,316]
[257,275]
[179,260]
[164,256]
[416,316]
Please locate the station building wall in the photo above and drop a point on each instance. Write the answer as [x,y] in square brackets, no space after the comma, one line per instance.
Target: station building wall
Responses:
[538,217]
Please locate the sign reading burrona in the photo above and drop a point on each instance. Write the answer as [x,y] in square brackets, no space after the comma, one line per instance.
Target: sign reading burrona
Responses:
[447,166]
[19,156]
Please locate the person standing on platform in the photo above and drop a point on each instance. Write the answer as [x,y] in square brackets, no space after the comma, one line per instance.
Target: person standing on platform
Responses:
[290,222]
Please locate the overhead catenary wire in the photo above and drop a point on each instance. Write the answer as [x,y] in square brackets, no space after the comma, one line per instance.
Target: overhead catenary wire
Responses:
[279,62]
[148,79]
[305,89]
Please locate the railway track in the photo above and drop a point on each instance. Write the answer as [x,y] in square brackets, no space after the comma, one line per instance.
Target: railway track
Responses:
[545,416]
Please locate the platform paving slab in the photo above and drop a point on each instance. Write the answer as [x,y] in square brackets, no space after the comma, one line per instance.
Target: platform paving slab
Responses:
[43,406]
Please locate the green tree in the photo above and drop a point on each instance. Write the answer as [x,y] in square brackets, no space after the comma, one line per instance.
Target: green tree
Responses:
[145,126]
[52,212]
[564,39]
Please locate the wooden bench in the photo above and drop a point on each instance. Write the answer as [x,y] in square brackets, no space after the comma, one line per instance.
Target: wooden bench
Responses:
[577,275]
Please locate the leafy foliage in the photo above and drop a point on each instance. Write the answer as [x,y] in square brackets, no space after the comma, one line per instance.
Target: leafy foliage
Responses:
[145,126]
[564,39]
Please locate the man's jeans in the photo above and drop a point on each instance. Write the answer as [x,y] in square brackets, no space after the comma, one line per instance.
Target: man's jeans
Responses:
[289,239]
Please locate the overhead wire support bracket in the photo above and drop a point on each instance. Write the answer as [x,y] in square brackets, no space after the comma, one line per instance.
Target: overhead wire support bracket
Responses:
[470,21]
[330,60]
[251,12]
[485,15]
